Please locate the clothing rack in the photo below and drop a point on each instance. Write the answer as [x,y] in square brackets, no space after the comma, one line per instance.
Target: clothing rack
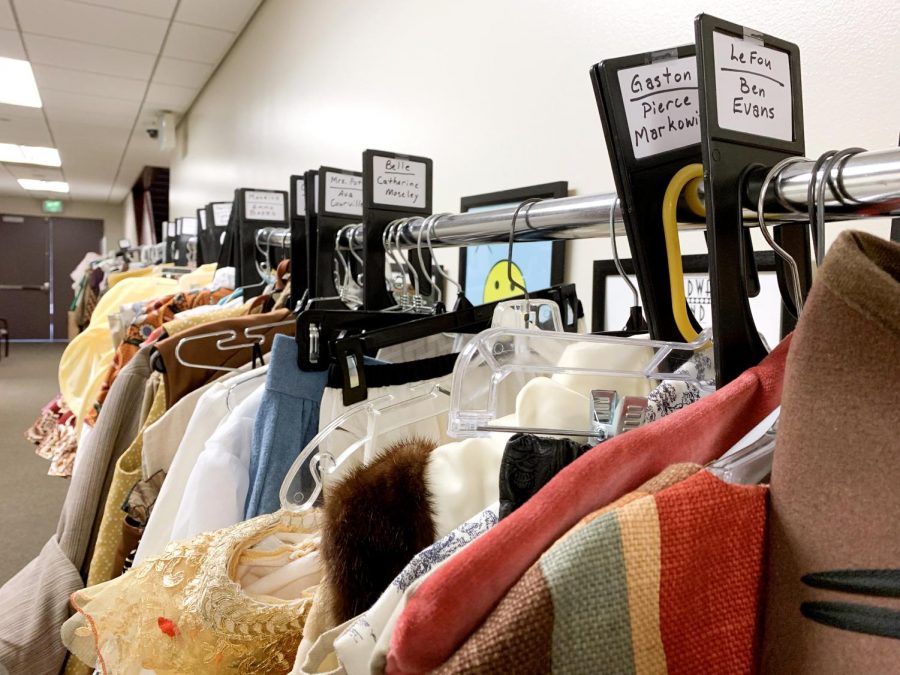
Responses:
[273,237]
[870,181]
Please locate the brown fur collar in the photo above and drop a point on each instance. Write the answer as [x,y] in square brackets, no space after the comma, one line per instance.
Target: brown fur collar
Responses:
[375,521]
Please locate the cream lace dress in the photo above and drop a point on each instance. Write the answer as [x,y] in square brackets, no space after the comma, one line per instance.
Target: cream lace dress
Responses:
[231,601]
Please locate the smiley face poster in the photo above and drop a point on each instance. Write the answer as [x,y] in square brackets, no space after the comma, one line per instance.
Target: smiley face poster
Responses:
[487,270]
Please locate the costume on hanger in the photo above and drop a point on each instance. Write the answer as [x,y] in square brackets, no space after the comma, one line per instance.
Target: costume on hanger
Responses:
[127,473]
[363,642]
[154,314]
[288,420]
[447,608]
[216,490]
[530,462]
[834,490]
[189,610]
[213,406]
[648,584]
[35,601]
[181,380]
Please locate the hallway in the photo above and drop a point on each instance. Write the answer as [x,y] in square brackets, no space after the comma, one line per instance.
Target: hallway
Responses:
[31,499]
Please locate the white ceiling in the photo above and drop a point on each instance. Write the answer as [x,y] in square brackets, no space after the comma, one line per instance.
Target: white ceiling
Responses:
[105,69]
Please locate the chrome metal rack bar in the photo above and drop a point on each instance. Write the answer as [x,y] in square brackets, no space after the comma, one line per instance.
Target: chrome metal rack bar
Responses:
[870,180]
[278,237]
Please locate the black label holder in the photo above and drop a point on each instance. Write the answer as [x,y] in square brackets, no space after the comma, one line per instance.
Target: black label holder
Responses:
[394,186]
[735,152]
[338,203]
[254,209]
[641,181]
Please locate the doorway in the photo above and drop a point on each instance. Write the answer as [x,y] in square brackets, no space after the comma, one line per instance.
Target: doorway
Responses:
[37,255]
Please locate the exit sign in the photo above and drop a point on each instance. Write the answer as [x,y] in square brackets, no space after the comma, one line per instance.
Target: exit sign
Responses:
[53,206]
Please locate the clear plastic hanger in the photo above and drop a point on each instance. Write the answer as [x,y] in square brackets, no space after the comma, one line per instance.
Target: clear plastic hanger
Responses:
[359,434]
[496,365]
[750,463]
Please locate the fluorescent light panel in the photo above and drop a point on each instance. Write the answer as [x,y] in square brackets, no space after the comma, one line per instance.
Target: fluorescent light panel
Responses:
[44,185]
[17,85]
[29,154]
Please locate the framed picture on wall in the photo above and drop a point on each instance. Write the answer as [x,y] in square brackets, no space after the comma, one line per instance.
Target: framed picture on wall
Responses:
[536,265]
[612,297]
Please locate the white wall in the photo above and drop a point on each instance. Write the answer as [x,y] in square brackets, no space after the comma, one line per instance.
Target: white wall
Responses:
[110,214]
[495,91]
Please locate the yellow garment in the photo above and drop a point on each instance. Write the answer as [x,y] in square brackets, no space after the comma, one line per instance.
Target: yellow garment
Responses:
[86,359]
[126,474]
[208,605]
[200,277]
[113,278]
[180,323]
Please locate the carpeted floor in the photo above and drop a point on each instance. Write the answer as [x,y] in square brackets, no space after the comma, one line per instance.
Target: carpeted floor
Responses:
[30,500]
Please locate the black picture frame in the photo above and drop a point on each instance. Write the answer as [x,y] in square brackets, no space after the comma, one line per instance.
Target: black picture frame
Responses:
[553,190]
[692,264]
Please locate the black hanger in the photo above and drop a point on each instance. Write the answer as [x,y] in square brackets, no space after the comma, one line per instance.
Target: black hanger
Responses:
[350,350]
[318,329]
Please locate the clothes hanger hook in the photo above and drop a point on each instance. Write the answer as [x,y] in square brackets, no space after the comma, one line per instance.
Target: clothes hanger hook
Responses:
[342,262]
[615,252]
[429,233]
[835,160]
[761,219]
[386,242]
[411,270]
[431,276]
[527,204]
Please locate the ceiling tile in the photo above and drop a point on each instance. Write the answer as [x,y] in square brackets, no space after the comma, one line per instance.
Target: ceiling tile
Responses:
[36,172]
[229,16]
[92,58]
[25,132]
[80,82]
[87,144]
[196,43]
[65,106]
[160,8]
[170,97]
[7,20]
[18,112]
[92,24]
[11,44]
[182,73]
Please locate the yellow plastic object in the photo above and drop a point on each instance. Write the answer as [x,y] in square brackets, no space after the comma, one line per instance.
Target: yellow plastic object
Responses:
[685,175]
[692,197]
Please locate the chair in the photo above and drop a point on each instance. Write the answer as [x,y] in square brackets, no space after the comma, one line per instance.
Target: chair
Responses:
[4,334]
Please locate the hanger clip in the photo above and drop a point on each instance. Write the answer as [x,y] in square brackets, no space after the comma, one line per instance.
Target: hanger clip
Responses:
[603,405]
[630,414]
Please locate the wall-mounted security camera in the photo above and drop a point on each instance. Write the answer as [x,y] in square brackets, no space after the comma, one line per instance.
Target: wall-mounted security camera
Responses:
[166,125]
[153,133]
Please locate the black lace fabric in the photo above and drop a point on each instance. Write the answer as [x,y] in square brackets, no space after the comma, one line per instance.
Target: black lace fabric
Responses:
[529,463]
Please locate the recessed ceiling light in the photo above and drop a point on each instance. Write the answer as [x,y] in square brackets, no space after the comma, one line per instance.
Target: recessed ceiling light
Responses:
[29,154]
[17,85]
[44,185]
